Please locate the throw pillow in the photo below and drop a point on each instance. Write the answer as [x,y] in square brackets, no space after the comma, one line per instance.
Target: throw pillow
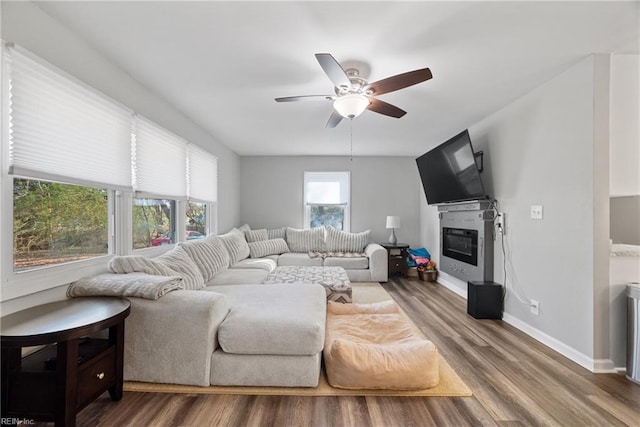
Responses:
[305,240]
[256,235]
[178,260]
[341,241]
[277,233]
[268,247]
[244,227]
[236,245]
[209,254]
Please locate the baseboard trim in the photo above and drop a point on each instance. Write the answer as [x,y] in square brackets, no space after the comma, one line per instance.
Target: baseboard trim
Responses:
[597,366]
[445,280]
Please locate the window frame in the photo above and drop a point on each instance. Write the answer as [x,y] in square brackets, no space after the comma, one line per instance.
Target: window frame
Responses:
[342,176]
[53,278]
[19,283]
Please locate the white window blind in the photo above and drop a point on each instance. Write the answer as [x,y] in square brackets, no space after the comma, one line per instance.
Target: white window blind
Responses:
[159,161]
[326,188]
[202,175]
[61,129]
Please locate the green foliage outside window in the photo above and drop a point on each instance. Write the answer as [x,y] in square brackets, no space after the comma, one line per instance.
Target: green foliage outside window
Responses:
[55,223]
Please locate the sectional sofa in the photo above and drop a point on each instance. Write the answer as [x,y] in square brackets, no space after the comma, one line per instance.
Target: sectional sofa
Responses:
[255,253]
[225,327]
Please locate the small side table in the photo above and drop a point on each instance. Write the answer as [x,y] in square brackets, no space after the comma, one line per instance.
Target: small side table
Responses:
[397,257]
[56,382]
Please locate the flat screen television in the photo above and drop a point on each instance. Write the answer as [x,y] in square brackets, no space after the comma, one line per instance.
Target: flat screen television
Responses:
[449,172]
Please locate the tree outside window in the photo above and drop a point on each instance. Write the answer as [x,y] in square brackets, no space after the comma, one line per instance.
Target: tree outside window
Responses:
[326,196]
[54,223]
[153,222]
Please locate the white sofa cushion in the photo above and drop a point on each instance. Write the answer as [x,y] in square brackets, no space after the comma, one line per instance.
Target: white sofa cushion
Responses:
[341,241]
[236,244]
[209,254]
[176,262]
[355,263]
[305,240]
[256,235]
[266,264]
[286,319]
[267,247]
[277,233]
[235,276]
[297,258]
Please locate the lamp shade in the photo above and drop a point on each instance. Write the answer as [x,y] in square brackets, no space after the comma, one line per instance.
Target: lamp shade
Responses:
[351,105]
[393,222]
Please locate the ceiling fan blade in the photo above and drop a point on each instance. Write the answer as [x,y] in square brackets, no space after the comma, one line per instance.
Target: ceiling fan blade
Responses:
[385,108]
[334,119]
[305,98]
[399,81]
[333,69]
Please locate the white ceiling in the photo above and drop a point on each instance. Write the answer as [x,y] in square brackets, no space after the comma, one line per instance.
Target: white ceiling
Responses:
[223,63]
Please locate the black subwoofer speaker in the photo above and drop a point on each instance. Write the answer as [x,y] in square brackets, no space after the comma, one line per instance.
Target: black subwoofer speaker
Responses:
[484,300]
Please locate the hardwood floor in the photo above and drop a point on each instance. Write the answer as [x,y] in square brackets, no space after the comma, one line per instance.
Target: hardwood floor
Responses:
[515,380]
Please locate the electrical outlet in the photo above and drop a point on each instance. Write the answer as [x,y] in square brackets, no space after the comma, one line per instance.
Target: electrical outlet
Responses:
[536,211]
[500,224]
[535,307]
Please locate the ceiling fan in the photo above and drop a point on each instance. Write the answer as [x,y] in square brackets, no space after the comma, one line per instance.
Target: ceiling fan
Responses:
[353,94]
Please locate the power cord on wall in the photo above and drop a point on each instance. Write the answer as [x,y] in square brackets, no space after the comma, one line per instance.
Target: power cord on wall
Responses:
[496,231]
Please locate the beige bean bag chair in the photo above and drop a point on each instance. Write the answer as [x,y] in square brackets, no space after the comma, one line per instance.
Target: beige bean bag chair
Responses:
[373,346]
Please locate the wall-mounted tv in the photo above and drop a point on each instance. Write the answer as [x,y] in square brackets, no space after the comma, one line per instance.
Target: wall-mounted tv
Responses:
[449,172]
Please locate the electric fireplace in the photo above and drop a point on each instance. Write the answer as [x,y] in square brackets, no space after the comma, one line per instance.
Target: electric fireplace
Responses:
[466,241]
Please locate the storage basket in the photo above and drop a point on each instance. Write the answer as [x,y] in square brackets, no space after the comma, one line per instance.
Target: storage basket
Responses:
[428,275]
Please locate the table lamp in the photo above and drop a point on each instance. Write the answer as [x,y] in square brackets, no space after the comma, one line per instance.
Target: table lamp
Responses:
[393,222]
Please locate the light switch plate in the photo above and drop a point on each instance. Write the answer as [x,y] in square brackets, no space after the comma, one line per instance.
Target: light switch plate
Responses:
[536,211]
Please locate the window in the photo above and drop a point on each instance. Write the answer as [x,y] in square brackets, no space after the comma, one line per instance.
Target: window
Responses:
[56,223]
[195,220]
[153,222]
[83,177]
[326,197]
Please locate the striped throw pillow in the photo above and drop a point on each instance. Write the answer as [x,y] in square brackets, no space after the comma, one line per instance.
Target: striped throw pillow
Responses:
[236,245]
[210,255]
[176,262]
[305,240]
[264,248]
[341,241]
[256,235]
[277,233]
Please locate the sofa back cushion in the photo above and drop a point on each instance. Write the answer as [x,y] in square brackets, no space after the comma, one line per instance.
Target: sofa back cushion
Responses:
[256,235]
[209,254]
[236,245]
[305,240]
[341,241]
[268,247]
[277,233]
[176,262]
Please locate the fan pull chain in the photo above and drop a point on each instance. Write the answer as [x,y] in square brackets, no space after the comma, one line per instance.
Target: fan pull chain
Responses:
[351,138]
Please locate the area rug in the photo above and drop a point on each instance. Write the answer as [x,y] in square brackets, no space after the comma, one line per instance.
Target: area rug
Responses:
[364,293]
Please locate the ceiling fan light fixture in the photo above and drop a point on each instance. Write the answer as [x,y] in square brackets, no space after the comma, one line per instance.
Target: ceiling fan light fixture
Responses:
[351,105]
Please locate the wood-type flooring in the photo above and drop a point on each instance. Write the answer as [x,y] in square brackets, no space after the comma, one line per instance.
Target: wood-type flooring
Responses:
[516,381]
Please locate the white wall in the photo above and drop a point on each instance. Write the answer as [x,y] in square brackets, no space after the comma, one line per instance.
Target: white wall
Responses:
[540,151]
[625,125]
[26,25]
[272,192]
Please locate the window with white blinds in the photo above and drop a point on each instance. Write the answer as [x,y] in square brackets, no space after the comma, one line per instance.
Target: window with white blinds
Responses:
[202,173]
[326,198]
[61,129]
[326,188]
[159,161]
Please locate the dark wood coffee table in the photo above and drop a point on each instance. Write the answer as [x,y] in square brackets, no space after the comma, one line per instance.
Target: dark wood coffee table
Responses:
[56,382]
